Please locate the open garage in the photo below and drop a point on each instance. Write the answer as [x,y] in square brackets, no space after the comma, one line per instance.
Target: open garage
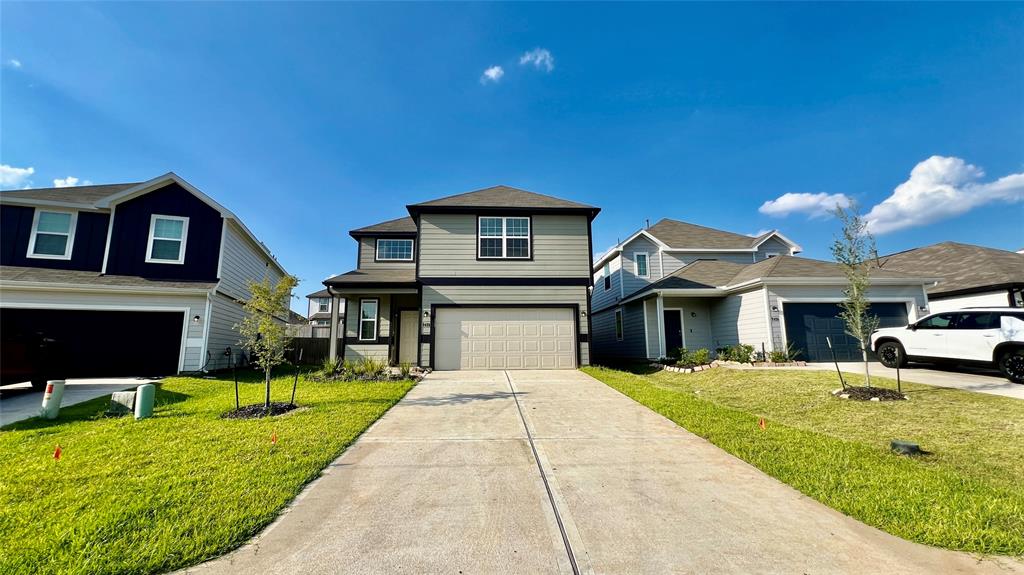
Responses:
[505,338]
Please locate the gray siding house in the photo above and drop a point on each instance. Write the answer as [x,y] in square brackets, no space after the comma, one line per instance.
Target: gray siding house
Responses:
[497,278]
[133,279]
[677,284]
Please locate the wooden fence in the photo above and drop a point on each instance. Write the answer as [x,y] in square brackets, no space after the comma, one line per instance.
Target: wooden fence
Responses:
[314,349]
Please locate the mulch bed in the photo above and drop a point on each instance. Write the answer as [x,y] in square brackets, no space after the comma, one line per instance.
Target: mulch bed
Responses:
[258,410]
[860,393]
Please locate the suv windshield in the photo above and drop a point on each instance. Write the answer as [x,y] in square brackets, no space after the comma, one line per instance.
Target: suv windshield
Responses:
[940,321]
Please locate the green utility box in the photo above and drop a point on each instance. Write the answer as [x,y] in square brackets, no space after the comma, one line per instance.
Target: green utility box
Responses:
[144,396]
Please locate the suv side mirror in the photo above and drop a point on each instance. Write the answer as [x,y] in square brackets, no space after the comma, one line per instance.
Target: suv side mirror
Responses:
[912,327]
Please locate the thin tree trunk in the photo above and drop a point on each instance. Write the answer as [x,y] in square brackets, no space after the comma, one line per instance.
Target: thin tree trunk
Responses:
[266,402]
[867,376]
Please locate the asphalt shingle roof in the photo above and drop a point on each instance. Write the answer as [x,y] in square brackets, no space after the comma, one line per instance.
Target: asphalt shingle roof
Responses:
[75,194]
[368,276]
[962,267]
[502,197]
[683,235]
[398,225]
[55,276]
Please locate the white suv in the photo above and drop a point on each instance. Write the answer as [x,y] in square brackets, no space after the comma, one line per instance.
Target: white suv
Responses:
[992,336]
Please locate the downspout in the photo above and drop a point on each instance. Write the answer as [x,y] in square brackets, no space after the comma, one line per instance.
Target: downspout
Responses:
[333,345]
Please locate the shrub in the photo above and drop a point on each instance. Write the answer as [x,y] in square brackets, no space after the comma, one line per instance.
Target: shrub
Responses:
[740,352]
[330,366]
[778,357]
[701,357]
[405,369]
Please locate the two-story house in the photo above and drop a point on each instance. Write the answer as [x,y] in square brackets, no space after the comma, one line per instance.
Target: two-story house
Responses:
[497,278]
[124,279]
[319,313]
[676,284]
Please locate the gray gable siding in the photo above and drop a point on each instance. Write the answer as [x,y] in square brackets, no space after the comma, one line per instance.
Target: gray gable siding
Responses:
[631,281]
[368,252]
[242,261]
[448,248]
[774,245]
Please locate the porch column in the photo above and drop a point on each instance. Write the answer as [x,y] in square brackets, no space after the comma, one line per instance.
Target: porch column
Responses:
[334,326]
[661,326]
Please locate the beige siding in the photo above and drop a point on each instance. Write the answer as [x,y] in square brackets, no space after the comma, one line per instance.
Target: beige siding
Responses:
[506,295]
[740,318]
[834,293]
[361,351]
[241,261]
[367,253]
[449,248]
[225,314]
[189,305]
[994,298]
[352,319]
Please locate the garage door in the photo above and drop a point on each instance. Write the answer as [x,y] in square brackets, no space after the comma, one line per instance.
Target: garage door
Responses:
[498,338]
[90,343]
[808,324]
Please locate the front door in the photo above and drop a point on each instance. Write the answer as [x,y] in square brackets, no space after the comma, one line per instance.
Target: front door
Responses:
[408,334]
[673,330]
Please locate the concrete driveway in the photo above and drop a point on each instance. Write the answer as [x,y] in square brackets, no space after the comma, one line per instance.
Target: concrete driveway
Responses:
[20,401]
[554,472]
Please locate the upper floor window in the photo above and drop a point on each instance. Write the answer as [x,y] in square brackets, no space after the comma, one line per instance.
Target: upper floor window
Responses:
[323,304]
[607,276]
[53,234]
[770,255]
[640,260]
[167,237]
[394,250]
[507,238]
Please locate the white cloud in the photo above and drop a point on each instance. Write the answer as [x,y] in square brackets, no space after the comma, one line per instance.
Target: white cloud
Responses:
[760,233]
[492,74]
[13,177]
[814,205]
[14,63]
[69,182]
[540,58]
[940,188]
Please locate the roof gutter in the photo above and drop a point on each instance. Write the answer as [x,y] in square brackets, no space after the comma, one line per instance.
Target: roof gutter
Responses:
[46,286]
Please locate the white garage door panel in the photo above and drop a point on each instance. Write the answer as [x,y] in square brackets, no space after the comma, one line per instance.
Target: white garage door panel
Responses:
[497,338]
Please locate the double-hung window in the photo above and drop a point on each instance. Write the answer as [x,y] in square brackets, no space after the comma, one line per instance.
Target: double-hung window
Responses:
[323,305]
[53,234]
[394,250]
[607,276]
[367,320]
[504,238]
[167,237]
[641,263]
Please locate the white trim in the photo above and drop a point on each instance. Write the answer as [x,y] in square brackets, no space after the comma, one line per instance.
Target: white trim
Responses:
[794,248]
[47,203]
[206,330]
[768,320]
[770,255]
[647,264]
[661,325]
[376,250]
[620,324]
[97,288]
[908,301]
[647,336]
[376,319]
[618,249]
[223,248]
[68,247]
[106,246]
[504,237]
[606,272]
[152,231]
[661,260]
[622,282]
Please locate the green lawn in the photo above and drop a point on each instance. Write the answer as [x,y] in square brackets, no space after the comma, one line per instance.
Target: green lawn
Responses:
[171,491]
[968,495]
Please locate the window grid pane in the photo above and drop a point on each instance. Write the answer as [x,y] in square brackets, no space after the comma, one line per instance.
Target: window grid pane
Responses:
[490,248]
[490,227]
[517,248]
[518,227]
[54,222]
[50,245]
[394,249]
[166,250]
[168,229]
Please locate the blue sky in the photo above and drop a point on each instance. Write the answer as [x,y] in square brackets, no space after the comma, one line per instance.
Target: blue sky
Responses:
[312,119]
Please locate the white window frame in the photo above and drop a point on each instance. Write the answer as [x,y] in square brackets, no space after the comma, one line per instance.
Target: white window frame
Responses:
[68,247]
[770,255]
[647,264]
[375,320]
[184,239]
[321,303]
[412,250]
[504,237]
[607,276]
[620,325]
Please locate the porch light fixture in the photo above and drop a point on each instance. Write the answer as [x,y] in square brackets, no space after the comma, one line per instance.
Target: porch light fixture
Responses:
[775,308]
[195,319]
[693,314]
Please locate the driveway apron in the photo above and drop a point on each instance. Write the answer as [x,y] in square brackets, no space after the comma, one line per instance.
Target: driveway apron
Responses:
[554,472]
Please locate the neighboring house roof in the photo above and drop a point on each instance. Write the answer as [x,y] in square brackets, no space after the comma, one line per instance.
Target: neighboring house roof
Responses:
[404,226]
[18,276]
[964,268]
[502,197]
[674,235]
[324,315]
[321,293]
[106,196]
[296,317]
[723,276]
[365,277]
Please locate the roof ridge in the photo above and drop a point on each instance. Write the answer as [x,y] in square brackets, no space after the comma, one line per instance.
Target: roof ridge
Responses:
[495,187]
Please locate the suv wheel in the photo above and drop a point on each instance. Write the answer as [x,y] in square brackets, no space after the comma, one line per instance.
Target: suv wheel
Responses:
[891,354]
[1011,364]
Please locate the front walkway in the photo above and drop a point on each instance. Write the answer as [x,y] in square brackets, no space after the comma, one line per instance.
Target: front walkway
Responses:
[18,402]
[554,472]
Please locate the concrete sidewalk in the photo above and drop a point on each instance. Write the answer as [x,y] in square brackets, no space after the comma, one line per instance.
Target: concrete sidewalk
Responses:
[27,403]
[554,472]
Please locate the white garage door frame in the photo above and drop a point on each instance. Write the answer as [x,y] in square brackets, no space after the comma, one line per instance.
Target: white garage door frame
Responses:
[908,301]
[572,307]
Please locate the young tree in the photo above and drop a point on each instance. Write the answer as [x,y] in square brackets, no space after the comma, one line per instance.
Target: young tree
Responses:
[264,332]
[853,250]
